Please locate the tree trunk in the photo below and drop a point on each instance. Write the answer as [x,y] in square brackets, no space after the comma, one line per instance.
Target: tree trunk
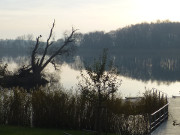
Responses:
[37,76]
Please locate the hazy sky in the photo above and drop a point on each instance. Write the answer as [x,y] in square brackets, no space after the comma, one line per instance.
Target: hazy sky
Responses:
[19,17]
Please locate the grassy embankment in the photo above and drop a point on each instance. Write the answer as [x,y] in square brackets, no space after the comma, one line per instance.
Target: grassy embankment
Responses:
[14,130]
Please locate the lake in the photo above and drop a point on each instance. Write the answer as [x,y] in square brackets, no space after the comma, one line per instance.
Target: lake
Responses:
[129,86]
[138,73]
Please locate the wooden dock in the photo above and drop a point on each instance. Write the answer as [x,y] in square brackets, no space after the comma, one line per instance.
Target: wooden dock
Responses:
[172,125]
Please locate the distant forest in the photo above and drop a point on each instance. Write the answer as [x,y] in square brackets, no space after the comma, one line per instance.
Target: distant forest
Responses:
[157,35]
[145,36]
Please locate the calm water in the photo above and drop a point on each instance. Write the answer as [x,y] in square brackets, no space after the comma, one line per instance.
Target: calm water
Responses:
[129,86]
[138,73]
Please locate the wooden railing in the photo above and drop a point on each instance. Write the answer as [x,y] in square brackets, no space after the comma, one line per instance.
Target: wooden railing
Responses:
[158,117]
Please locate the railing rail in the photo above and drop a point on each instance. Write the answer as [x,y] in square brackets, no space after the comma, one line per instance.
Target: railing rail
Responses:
[158,117]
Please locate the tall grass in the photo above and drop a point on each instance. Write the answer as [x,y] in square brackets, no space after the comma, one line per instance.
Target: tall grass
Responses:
[60,109]
[15,107]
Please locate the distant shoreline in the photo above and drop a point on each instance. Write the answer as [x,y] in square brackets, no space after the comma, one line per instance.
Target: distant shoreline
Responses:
[134,52]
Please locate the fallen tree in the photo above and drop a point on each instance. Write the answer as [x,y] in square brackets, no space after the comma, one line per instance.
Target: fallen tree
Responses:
[29,76]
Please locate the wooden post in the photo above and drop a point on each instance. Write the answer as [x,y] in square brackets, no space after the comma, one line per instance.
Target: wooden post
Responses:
[164,114]
[150,120]
[153,92]
[167,110]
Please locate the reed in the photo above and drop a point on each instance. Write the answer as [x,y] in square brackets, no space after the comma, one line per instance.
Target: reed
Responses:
[47,108]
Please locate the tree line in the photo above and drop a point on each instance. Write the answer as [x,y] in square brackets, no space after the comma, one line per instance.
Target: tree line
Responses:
[155,35]
[158,35]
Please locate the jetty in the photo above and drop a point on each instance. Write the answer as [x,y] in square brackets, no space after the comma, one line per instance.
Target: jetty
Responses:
[172,125]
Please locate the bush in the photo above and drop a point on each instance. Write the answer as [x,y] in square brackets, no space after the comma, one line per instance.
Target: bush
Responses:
[151,102]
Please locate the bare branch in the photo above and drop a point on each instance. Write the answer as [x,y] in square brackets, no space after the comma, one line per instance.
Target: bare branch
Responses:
[47,45]
[54,64]
[50,35]
[34,51]
[66,42]
[38,64]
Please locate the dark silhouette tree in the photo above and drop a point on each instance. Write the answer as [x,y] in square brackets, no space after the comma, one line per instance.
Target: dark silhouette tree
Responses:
[38,64]
[101,80]
[40,59]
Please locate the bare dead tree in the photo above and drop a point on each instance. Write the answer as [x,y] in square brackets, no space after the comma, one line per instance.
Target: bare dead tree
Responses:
[39,63]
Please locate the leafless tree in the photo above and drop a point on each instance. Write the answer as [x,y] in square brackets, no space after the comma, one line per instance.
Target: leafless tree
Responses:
[39,62]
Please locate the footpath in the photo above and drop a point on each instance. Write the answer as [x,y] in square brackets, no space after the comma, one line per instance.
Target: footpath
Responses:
[172,125]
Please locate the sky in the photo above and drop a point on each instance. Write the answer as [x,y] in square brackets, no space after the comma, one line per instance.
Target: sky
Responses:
[22,17]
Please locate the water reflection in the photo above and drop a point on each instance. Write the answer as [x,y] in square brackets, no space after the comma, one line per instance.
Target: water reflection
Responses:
[145,68]
[142,72]
[150,68]
[136,72]
[129,87]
